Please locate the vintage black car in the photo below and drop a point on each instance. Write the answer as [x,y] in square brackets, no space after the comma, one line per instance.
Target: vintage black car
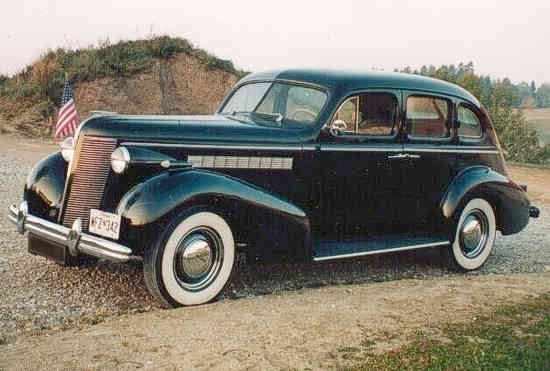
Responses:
[310,165]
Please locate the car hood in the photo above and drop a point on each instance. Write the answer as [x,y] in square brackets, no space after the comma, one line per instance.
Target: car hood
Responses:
[185,129]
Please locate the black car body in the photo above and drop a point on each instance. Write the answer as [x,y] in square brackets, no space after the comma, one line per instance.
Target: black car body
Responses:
[304,164]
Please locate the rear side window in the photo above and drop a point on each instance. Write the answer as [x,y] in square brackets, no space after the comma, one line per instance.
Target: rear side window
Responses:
[469,125]
[428,117]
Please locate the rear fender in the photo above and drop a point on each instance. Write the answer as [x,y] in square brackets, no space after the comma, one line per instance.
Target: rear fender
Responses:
[509,201]
[253,212]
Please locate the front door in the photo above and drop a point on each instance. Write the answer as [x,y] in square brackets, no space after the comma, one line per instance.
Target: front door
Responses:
[361,174]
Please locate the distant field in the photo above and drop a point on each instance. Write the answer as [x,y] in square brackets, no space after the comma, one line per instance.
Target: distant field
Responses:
[539,119]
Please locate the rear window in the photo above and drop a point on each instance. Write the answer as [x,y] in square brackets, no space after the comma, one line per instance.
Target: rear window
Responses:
[469,125]
[428,117]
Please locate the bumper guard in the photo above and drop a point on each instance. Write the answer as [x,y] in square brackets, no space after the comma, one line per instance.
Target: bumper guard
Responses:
[73,238]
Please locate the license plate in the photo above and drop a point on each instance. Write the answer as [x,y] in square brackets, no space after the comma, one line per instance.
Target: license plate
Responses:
[104,224]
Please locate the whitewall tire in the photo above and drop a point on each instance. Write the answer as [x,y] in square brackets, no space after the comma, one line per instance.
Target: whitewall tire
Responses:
[192,260]
[474,236]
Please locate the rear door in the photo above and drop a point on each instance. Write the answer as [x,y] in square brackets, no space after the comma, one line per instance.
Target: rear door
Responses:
[430,149]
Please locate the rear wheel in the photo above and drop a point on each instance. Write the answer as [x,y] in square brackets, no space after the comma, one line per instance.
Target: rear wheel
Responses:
[192,259]
[474,236]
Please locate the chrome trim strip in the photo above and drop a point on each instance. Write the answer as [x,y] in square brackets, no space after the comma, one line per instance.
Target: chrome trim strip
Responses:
[309,147]
[450,150]
[412,247]
[88,244]
[241,162]
[355,148]
[215,146]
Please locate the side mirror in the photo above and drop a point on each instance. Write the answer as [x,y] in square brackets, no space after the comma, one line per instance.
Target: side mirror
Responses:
[338,127]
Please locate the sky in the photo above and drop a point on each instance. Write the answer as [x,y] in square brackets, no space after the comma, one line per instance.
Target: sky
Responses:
[502,38]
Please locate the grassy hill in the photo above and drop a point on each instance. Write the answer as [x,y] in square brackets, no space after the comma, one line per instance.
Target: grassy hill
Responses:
[539,119]
[159,75]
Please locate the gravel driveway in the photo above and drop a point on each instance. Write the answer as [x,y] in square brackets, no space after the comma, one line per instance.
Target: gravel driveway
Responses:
[38,296]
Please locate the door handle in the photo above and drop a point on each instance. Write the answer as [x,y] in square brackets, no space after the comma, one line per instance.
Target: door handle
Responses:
[402,156]
[399,156]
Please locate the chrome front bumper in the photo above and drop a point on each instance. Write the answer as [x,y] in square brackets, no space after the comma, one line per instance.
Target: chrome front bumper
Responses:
[73,238]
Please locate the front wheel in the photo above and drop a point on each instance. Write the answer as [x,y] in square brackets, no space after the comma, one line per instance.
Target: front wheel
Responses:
[475,236]
[191,261]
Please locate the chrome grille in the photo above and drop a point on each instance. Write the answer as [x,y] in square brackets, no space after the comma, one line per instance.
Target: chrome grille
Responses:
[89,177]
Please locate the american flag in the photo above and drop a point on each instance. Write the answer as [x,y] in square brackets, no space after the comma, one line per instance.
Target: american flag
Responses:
[67,119]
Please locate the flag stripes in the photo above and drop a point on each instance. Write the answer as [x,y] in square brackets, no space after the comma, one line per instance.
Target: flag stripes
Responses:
[67,120]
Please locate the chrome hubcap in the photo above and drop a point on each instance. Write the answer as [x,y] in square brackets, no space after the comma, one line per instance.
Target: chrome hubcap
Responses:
[473,234]
[198,259]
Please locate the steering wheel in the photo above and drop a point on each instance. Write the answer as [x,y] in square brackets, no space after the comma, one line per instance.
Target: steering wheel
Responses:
[303,114]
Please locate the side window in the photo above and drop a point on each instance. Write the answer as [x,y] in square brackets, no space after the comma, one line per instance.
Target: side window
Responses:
[469,125]
[428,117]
[247,97]
[369,114]
[293,102]
[304,104]
[347,113]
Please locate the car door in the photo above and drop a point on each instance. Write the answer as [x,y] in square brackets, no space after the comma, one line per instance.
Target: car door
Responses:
[430,156]
[360,182]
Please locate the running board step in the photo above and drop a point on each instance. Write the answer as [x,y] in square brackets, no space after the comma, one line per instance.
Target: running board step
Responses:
[329,250]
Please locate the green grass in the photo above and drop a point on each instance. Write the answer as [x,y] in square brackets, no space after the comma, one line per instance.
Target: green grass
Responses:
[514,338]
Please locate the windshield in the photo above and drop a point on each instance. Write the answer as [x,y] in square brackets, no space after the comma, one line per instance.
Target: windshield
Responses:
[281,104]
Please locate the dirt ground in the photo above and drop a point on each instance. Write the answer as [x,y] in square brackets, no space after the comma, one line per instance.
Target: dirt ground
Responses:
[306,329]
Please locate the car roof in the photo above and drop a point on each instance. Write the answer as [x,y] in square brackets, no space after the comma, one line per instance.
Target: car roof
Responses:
[357,79]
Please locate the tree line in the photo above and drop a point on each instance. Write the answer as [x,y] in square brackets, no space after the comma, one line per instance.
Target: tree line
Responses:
[522,95]
[501,98]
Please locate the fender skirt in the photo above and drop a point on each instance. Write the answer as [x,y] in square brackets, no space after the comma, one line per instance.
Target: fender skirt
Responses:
[509,201]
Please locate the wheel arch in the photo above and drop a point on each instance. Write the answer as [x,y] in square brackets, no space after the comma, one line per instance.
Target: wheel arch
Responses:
[508,200]
[254,214]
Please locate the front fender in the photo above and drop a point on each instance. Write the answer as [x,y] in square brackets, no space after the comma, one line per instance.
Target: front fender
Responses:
[250,206]
[45,185]
[509,201]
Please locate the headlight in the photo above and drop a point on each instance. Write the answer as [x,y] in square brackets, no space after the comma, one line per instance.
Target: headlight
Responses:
[120,159]
[67,148]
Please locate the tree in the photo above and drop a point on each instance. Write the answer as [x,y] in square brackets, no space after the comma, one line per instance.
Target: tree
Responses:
[523,93]
[471,82]
[533,89]
[543,96]
[519,142]
[424,70]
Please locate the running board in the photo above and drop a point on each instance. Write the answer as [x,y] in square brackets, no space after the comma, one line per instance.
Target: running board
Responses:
[329,250]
